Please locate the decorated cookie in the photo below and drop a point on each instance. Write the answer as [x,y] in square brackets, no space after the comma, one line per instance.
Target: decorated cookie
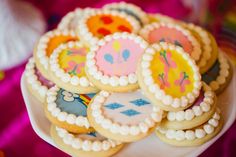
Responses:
[99,23]
[129,9]
[192,137]
[169,77]
[219,75]
[36,83]
[174,34]
[201,111]
[112,64]
[67,68]
[124,117]
[157,17]
[208,46]
[47,43]
[68,110]
[84,145]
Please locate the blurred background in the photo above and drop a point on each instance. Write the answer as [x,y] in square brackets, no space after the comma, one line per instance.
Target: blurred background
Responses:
[24,21]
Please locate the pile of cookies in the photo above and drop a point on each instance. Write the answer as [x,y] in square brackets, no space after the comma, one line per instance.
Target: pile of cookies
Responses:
[111,76]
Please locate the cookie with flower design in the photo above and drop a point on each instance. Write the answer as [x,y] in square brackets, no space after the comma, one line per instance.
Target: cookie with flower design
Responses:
[68,110]
[84,145]
[194,136]
[219,75]
[45,46]
[125,117]
[67,64]
[97,24]
[37,84]
[200,112]
[169,77]
[129,9]
[111,65]
[172,33]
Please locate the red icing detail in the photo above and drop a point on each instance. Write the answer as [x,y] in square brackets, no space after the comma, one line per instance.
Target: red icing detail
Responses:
[103,31]
[124,29]
[106,20]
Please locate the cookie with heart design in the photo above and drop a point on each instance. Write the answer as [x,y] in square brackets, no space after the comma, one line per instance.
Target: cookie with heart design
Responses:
[129,9]
[194,136]
[219,75]
[111,65]
[200,112]
[47,43]
[97,24]
[37,84]
[68,110]
[84,145]
[172,33]
[169,77]
[67,64]
[125,117]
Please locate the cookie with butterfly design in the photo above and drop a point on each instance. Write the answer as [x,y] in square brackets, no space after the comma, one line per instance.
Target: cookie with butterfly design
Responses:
[125,117]
[169,77]
[68,110]
[67,64]
[111,64]
[84,145]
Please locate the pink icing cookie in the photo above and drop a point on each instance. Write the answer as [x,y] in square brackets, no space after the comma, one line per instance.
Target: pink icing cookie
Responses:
[174,34]
[112,65]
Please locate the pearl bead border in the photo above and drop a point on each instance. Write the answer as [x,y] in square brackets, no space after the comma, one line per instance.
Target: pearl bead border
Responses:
[196,111]
[32,79]
[155,90]
[68,18]
[223,73]
[83,30]
[196,52]
[192,134]
[62,116]
[134,130]
[43,42]
[83,144]
[60,73]
[207,49]
[113,81]
[128,6]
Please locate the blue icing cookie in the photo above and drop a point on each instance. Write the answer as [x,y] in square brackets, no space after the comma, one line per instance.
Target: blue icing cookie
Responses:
[73,103]
[212,73]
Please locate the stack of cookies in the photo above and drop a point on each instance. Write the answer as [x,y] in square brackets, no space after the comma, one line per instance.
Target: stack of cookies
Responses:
[114,75]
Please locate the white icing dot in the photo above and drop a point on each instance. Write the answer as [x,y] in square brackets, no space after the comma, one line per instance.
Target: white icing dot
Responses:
[114,81]
[124,130]
[74,80]
[189,135]
[213,122]
[105,79]
[66,78]
[132,78]
[189,114]
[216,116]
[167,100]
[97,146]
[76,143]
[205,107]
[179,135]
[197,110]
[134,130]
[143,127]
[171,116]
[123,81]
[62,116]
[176,103]
[71,119]
[200,133]
[115,128]
[87,145]
[68,139]
[106,145]
[170,134]
[180,115]
[208,128]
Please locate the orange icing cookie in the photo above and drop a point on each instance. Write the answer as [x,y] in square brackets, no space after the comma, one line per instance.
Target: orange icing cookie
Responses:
[67,64]
[169,76]
[47,44]
[99,23]
[174,34]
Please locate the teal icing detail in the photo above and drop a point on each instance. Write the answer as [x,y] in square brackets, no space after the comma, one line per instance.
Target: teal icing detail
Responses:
[212,73]
[130,112]
[140,102]
[77,106]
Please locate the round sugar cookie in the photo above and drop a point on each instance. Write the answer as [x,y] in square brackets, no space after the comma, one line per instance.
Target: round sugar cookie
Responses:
[129,9]
[208,46]
[174,34]
[201,111]
[192,137]
[68,110]
[84,145]
[67,68]
[219,75]
[111,65]
[36,83]
[125,117]
[97,24]
[47,43]
[169,77]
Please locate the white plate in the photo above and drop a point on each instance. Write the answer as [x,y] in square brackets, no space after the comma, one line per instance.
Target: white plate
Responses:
[150,146]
